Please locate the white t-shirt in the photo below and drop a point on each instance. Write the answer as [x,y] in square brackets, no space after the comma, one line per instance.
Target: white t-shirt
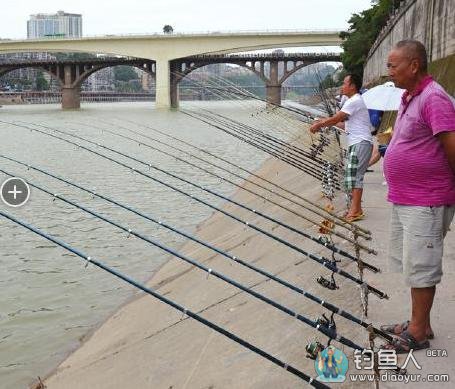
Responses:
[358,124]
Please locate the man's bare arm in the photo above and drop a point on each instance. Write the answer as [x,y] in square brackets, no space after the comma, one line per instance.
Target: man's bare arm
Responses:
[447,139]
[332,120]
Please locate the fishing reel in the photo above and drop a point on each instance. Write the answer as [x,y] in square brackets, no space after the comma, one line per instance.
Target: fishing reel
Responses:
[328,188]
[328,284]
[319,147]
[324,321]
[313,349]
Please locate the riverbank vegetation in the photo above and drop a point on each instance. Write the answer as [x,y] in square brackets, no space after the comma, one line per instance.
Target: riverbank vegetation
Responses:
[363,30]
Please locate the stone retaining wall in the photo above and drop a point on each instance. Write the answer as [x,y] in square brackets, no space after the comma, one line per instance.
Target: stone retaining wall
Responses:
[430,21]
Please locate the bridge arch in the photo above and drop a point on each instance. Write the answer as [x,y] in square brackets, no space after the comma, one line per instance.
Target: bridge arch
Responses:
[5,71]
[186,69]
[274,69]
[71,74]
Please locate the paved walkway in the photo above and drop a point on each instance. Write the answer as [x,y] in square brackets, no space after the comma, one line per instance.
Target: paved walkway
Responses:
[147,344]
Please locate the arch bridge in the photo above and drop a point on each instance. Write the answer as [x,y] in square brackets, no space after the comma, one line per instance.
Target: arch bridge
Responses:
[164,49]
[273,69]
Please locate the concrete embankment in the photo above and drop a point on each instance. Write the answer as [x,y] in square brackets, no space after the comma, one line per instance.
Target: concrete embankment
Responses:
[147,344]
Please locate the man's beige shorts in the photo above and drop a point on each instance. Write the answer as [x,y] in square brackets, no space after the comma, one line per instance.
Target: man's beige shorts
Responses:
[416,242]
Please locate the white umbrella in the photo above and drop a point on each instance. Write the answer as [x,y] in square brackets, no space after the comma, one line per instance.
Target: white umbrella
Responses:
[385,97]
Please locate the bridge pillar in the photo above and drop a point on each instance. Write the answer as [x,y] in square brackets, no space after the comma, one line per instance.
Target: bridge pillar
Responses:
[163,84]
[273,87]
[174,85]
[71,90]
[273,96]
[71,97]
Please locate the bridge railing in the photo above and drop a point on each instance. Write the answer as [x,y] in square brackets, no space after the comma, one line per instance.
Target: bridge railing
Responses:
[193,33]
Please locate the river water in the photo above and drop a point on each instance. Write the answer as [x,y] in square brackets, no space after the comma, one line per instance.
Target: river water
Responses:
[49,300]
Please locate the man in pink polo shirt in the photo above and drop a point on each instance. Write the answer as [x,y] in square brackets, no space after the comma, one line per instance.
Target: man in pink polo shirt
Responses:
[419,166]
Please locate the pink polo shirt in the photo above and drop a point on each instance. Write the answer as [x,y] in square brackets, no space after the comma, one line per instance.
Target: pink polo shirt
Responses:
[415,164]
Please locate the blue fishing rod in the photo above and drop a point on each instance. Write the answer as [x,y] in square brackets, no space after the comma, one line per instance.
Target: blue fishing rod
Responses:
[159,222]
[319,241]
[327,263]
[291,369]
[327,330]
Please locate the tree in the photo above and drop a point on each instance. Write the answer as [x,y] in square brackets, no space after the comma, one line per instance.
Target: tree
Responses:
[125,73]
[167,29]
[363,30]
[41,82]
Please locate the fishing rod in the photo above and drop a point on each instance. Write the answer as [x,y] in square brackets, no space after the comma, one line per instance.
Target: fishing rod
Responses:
[326,330]
[291,150]
[267,139]
[317,209]
[236,91]
[329,170]
[224,93]
[324,243]
[329,264]
[246,179]
[241,187]
[276,108]
[263,146]
[278,126]
[185,311]
[327,174]
[231,257]
[273,153]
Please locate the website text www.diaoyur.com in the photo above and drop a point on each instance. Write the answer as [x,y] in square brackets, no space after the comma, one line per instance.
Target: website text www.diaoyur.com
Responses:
[404,378]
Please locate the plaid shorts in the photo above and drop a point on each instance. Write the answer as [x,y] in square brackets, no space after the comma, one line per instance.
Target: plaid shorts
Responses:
[357,159]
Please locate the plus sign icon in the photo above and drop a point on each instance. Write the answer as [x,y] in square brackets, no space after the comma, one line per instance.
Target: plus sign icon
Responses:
[15,192]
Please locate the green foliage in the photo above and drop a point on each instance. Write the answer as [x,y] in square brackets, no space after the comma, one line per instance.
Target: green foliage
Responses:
[363,30]
[125,73]
[129,87]
[41,82]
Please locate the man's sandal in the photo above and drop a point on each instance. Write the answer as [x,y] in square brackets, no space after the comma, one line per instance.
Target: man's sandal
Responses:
[398,328]
[354,218]
[406,342]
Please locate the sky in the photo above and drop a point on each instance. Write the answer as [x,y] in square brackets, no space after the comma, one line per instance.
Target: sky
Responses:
[149,16]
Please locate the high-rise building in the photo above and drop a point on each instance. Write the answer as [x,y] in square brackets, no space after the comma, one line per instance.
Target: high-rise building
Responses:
[60,24]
